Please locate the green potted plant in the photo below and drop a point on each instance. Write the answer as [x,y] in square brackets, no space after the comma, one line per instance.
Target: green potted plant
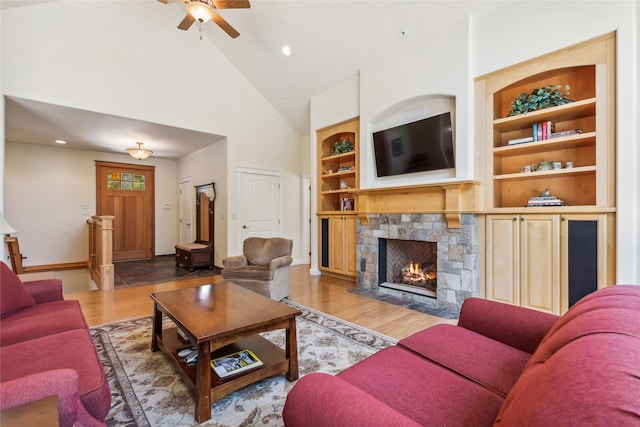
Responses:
[539,98]
[343,145]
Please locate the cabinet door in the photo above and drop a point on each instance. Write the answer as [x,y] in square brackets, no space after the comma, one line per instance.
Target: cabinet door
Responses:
[586,252]
[540,262]
[503,262]
[336,247]
[350,245]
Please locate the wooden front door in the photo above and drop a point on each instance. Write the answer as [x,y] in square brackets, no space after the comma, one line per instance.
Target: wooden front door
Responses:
[126,191]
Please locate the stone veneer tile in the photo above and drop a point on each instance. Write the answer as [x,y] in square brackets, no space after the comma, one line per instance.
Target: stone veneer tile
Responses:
[457,253]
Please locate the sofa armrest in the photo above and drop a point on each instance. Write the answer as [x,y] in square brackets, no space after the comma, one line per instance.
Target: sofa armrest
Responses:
[61,382]
[517,327]
[235,261]
[282,261]
[45,290]
[320,400]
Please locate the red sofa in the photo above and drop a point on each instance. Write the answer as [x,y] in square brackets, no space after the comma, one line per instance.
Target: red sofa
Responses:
[501,365]
[46,349]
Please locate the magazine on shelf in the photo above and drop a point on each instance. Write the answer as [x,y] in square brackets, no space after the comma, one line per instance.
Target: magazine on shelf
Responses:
[545,201]
[235,363]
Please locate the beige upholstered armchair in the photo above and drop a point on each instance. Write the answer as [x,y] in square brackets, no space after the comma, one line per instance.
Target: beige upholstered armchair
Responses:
[263,267]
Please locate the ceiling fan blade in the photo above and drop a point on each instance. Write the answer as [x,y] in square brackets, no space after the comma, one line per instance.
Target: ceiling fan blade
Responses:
[186,22]
[231,4]
[225,26]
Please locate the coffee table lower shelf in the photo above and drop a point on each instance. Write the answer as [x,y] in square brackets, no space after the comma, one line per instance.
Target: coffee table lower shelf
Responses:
[272,357]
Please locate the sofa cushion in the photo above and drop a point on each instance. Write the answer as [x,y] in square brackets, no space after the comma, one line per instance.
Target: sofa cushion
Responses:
[586,371]
[422,390]
[41,320]
[362,408]
[71,349]
[491,363]
[250,272]
[13,294]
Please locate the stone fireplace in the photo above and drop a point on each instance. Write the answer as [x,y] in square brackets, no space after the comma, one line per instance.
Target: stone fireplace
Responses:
[455,250]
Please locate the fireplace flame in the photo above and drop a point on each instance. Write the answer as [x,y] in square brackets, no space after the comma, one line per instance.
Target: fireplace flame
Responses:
[413,274]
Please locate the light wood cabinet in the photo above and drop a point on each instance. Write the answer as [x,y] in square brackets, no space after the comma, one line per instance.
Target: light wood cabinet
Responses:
[548,261]
[523,260]
[338,244]
[338,178]
[528,255]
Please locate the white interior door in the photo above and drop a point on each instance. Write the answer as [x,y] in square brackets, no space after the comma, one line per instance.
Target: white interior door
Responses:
[260,211]
[187,197]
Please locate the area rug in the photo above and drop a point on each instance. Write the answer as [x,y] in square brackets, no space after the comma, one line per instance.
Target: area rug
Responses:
[147,390]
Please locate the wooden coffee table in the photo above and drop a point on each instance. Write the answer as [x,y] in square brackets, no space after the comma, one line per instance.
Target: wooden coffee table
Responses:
[219,320]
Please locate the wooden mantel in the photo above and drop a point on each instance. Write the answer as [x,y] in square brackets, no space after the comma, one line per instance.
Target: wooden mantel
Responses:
[451,198]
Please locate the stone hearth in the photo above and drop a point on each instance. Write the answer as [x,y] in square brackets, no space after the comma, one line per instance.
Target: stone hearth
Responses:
[457,275]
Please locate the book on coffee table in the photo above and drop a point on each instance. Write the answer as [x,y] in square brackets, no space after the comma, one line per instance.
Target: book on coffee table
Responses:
[235,363]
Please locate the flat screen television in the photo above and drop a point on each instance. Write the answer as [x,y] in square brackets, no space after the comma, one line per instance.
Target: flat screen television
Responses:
[419,146]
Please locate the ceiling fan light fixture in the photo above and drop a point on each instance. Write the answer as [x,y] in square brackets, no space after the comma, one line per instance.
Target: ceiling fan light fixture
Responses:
[139,152]
[201,10]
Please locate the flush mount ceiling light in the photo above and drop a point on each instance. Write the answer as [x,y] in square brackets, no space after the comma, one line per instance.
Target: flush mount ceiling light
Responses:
[139,152]
[286,50]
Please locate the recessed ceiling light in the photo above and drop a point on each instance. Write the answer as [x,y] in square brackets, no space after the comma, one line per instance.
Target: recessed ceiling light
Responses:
[286,50]
[60,141]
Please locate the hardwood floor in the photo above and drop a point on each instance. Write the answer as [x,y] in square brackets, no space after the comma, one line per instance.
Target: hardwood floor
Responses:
[322,293]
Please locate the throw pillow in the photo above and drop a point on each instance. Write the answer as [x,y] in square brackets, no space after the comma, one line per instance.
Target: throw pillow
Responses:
[13,294]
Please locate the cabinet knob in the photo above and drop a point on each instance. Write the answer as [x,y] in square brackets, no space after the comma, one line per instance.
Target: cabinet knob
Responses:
[564,218]
[522,218]
[515,218]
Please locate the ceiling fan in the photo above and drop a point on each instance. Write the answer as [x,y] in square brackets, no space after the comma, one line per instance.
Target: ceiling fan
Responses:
[205,10]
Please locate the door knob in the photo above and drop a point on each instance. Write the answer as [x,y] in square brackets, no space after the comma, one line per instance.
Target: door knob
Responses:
[244,226]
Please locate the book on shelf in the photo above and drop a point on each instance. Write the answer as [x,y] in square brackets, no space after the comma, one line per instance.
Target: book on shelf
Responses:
[543,130]
[235,363]
[565,133]
[521,140]
[346,204]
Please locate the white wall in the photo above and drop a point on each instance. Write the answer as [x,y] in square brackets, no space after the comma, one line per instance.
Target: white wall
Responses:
[429,65]
[48,188]
[447,61]
[493,50]
[3,247]
[205,166]
[128,60]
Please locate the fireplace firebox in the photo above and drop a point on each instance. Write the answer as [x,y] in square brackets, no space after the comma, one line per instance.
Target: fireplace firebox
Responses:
[408,265]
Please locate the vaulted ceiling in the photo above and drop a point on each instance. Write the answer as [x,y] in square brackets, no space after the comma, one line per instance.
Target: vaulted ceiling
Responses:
[330,42]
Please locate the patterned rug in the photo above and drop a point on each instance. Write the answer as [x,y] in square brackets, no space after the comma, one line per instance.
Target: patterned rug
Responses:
[146,389]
